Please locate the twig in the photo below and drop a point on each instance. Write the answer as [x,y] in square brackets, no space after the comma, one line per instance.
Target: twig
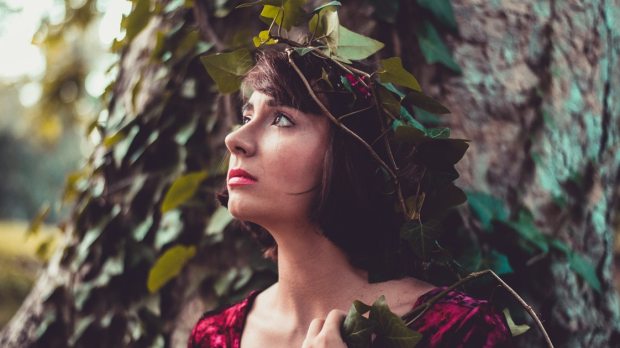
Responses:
[334,119]
[353,113]
[389,151]
[421,309]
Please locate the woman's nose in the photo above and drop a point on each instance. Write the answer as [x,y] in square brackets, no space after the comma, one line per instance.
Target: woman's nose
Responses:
[239,142]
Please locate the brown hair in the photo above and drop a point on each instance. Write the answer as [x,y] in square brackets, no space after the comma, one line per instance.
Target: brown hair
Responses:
[352,209]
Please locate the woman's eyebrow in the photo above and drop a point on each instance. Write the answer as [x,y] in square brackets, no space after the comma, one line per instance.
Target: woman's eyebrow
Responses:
[250,107]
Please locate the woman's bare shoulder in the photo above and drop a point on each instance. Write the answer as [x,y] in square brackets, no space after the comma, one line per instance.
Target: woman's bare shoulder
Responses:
[402,294]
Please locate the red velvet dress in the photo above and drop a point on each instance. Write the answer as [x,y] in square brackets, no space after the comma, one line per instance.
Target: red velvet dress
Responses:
[456,320]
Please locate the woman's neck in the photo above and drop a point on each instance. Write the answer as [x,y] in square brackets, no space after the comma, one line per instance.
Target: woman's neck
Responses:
[314,276]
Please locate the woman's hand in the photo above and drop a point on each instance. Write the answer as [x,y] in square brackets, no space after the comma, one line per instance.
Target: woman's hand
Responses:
[326,332]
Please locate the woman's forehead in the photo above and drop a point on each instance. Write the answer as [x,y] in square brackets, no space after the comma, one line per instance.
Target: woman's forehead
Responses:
[269,100]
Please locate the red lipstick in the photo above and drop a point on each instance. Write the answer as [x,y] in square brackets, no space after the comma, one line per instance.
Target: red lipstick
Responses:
[238,176]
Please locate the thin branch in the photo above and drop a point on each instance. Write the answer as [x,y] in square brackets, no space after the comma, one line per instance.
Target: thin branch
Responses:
[354,112]
[391,156]
[421,309]
[334,119]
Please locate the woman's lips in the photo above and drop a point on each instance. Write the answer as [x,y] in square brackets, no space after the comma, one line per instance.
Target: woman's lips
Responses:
[240,181]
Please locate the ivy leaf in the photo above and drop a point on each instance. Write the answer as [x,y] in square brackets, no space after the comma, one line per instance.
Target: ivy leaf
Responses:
[515,329]
[441,153]
[357,329]
[421,236]
[263,38]
[486,207]
[442,9]
[168,266]
[219,220]
[290,14]
[407,134]
[393,72]
[388,100]
[499,263]
[181,190]
[38,220]
[577,263]
[440,132]
[527,229]
[390,86]
[302,50]
[354,46]
[326,24]
[426,117]
[227,69]
[391,328]
[404,113]
[425,102]
[433,48]
[331,3]
[260,2]
[585,269]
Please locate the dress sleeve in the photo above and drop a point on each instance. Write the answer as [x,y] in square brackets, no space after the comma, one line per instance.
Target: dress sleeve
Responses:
[485,327]
[461,321]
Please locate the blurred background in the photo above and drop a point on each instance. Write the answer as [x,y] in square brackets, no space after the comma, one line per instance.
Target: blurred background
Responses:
[54,68]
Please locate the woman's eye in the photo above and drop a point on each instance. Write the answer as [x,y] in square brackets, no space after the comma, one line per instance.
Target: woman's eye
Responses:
[280,116]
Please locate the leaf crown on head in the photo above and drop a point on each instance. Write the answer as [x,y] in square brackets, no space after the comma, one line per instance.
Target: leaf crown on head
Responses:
[394,91]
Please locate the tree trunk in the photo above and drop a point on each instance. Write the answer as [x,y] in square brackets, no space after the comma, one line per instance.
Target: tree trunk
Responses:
[538,96]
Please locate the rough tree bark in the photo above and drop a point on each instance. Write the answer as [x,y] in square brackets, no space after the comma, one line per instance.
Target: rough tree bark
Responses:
[539,98]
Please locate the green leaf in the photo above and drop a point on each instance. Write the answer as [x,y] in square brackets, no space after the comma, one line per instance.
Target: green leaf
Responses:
[390,86]
[426,117]
[227,69]
[421,236]
[486,207]
[302,50]
[38,220]
[499,263]
[260,2]
[515,329]
[389,100]
[442,9]
[219,220]
[393,72]
[289,15]
[168,266]
[585,269]
[404,113]
[425,102]
[263,38]
[357,329]
[182,189]
[326,23]
[331,3]
[440,132]
[433,48]
[407,134]
[354,46]
[391,328]
[527,229]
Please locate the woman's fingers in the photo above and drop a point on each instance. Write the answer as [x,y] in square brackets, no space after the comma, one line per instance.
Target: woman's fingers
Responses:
[326,332]
[315,327]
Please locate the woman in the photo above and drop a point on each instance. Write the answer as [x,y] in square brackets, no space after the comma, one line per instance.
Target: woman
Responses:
[314,198]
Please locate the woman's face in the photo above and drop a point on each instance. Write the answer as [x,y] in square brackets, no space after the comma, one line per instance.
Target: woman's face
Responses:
[284,149]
